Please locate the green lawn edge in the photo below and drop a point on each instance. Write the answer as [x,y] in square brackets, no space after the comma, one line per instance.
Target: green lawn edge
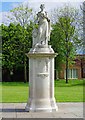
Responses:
[18,92]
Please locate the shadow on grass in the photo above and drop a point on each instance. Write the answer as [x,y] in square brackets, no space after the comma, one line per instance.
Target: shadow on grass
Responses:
[58,83]
[71,83]
[14,84]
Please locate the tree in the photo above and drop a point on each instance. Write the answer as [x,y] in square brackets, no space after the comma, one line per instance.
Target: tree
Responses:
[22,15]
[16,41]
[8,47]
[84,27]
[64,37]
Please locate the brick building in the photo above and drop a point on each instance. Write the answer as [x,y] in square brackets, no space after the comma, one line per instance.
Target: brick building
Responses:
[75,71]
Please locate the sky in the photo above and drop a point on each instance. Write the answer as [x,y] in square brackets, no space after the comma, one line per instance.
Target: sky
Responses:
[7,5]
[43,0]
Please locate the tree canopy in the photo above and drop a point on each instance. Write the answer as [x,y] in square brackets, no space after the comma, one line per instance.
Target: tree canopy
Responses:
[64,36]
[16,42]
[21,14]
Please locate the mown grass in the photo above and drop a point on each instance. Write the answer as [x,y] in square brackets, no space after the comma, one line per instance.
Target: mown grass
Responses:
[71,92]
[19,91]
[14,92]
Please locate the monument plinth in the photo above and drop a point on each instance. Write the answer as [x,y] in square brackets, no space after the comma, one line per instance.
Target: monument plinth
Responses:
[41,69]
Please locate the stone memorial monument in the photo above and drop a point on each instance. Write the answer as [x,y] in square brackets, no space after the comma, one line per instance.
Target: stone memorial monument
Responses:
[41,68]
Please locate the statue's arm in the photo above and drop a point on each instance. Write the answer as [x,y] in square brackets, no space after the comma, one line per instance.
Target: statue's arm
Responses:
[46,16]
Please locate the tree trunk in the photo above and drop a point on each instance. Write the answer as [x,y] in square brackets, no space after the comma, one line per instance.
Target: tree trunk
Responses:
[25,70]
[67,57]
[66,69]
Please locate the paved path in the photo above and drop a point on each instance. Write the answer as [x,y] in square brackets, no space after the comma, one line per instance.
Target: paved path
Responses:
[66,110]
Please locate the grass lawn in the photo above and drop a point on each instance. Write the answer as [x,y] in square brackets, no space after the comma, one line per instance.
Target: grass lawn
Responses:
[18,91]
[71,92]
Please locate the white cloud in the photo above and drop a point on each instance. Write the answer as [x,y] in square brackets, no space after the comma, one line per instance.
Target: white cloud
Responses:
[12,1]
[50,4]
[43,1]
[50,1]
[0,17]
[13,5]
[4,17]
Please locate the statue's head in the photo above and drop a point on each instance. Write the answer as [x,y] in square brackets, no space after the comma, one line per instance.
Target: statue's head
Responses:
[42,6]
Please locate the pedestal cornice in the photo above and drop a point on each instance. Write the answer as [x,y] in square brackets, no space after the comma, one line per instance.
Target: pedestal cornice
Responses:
[41,55]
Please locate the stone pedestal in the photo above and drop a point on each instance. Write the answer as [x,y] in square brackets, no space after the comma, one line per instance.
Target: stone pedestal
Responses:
[41,80]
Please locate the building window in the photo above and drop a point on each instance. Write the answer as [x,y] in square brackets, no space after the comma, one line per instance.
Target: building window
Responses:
[72,73]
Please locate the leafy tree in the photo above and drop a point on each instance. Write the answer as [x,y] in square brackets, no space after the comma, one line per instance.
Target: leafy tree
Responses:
[83,8]
[23,15]
[16,41]
[64,36]
[7,45]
